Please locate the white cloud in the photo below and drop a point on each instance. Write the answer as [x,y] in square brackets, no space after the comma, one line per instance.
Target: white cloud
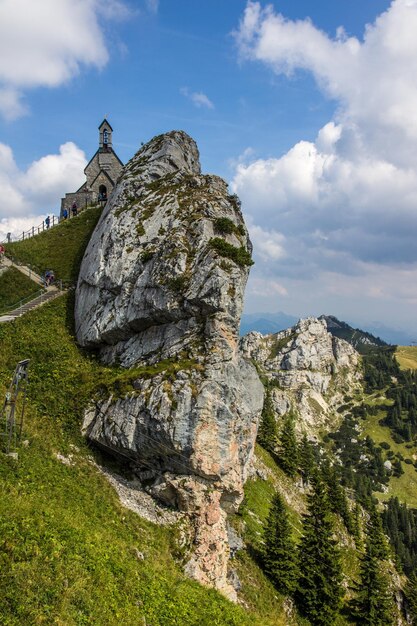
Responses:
[47,42]
[153,5]
[198,98]
[39,188]
[17,225]
[345,204]
[266,288]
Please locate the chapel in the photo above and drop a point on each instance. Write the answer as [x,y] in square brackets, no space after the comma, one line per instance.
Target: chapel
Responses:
[102,172]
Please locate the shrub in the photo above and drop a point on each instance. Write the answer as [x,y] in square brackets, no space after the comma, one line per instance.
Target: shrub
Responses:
[224,225]
[239,255]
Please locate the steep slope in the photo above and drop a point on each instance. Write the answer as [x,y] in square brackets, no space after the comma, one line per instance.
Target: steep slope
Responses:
[70,552]
[15,287]
[61,248]
[162,282]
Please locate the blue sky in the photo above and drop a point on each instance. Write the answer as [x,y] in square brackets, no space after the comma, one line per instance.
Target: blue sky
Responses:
[310,114]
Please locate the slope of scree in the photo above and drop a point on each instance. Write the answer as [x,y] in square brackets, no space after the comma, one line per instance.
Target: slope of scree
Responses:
[162,282]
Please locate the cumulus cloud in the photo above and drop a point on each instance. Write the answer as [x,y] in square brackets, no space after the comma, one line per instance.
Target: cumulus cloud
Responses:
[346,203]
[198,98]
[32,54]
[37,190]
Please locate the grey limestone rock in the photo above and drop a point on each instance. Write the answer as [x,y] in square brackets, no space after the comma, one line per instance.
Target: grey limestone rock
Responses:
[161,286]
[311,371]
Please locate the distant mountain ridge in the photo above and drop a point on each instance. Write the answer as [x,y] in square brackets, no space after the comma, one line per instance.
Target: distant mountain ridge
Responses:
[268,323]
[361,340]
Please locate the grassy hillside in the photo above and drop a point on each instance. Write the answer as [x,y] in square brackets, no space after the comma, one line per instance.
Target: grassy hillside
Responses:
[61,248]
[14,287]
[407,357]
[67,546]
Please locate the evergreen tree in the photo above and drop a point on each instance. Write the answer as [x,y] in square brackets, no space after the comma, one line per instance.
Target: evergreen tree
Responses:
[267,433]
[288,449]
[357,526]
[279,554]
[373,604]
[319,589]
[337,494]
[376,535]
[306,459]
[411,595]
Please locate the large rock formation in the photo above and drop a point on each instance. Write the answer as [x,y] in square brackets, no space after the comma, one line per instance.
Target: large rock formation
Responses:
[309,369]
[160,291]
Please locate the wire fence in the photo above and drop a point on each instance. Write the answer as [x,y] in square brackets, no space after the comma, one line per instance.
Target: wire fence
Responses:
[46,224]
[49,222]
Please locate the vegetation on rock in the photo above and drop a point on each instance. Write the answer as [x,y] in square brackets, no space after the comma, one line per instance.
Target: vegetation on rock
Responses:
[239,255]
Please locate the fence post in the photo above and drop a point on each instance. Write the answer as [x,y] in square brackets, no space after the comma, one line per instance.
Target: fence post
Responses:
[33,231]
[23,235]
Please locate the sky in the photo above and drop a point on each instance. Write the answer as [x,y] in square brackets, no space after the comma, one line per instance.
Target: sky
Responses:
[307,109]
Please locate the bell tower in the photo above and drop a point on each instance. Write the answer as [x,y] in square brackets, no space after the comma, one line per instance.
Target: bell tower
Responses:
[105,136]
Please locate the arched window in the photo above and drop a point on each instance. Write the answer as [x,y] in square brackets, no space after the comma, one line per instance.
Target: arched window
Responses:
[105,136]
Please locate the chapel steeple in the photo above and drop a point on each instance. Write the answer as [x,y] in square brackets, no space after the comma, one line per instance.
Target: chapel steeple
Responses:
[105,135]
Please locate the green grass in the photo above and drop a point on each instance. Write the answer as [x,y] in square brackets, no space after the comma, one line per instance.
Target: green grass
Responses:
[61,248]
[14,287]
[67,546]
[406,357]
[405,486]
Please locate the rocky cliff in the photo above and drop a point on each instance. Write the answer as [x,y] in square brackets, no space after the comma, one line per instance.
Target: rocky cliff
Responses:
[310,371]
[160,291]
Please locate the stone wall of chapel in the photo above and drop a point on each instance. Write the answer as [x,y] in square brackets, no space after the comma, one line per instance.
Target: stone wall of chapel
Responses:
[110,164]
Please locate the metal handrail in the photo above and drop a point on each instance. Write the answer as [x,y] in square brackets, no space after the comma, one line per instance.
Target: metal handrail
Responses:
[23,301]
[37,230]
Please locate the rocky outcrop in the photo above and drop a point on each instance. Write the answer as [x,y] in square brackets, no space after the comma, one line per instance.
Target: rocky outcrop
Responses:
[160,292]
[309,369]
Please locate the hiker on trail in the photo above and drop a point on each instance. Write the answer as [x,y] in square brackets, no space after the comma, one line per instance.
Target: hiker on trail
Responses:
[65,214]
[74,209]
[47,221]
[49,278]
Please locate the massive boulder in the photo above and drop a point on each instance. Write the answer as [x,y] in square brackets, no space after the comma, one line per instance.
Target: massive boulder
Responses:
[310,372]
[160,292]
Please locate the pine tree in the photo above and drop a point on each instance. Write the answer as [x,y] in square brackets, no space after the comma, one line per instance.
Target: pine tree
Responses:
[306,459]
[376,535]
[373,604]
[319,589]
[411,595]
[279,555]
[267,433]
[357,526]
[337,494]
[288,449]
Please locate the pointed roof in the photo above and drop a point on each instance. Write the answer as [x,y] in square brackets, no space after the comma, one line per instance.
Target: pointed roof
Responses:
[105,121]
